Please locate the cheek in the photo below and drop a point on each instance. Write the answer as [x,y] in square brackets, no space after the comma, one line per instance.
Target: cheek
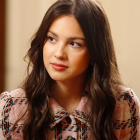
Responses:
[81,61]
[46,52]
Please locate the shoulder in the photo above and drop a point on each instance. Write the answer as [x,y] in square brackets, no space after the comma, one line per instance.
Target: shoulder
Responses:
[15,98]
[127,99]
[11,98]
[13,106]
[14,93]
[127,113]
[127,103]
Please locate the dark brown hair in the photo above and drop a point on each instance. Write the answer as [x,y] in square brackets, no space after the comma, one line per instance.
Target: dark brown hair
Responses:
[103,74]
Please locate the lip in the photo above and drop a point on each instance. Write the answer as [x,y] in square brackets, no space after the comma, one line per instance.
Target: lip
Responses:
[59,67]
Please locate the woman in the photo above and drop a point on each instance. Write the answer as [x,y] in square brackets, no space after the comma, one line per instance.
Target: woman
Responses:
[74,90]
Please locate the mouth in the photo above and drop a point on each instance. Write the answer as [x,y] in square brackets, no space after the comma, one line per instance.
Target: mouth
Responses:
[57,66]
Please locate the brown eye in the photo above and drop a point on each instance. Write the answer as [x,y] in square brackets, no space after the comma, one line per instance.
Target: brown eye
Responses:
[51,39]
[75,44]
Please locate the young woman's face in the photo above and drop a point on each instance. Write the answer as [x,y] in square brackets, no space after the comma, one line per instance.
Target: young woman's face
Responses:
[65,53]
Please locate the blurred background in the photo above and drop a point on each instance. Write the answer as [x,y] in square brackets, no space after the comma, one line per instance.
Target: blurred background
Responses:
[19,20]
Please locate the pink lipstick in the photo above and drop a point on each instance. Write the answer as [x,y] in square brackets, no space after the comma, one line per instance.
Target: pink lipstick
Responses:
[59,66]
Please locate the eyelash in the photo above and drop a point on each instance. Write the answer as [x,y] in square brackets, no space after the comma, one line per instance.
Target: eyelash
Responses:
[50,38]
[71,43]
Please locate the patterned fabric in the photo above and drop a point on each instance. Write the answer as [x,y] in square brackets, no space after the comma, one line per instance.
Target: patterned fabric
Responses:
[66,126]
[12,107]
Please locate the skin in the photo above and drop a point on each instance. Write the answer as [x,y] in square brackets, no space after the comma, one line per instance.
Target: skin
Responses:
[65,44]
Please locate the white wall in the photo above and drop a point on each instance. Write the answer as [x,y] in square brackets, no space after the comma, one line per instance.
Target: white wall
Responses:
[124,17]
[24,16]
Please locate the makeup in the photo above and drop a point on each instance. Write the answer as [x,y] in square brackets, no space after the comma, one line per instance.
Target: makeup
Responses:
[59,67]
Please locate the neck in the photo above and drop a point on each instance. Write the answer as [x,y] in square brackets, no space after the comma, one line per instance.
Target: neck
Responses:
[69,93]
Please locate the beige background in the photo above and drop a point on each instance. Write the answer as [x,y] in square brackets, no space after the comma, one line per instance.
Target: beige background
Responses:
[24,16]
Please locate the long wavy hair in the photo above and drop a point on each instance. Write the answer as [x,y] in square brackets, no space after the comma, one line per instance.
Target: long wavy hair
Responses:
[103,74]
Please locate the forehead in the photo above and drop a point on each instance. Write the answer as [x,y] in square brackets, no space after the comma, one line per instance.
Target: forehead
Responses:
[67,25]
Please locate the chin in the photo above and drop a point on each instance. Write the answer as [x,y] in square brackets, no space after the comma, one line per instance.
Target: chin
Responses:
[57,78]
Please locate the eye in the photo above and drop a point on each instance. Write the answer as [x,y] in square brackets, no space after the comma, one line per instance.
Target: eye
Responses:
[75,44]
[51,39]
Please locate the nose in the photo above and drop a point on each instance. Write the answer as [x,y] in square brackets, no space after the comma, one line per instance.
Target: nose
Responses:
[61,51]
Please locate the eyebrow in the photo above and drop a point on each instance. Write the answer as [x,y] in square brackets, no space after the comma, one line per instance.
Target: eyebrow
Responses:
[70,38]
